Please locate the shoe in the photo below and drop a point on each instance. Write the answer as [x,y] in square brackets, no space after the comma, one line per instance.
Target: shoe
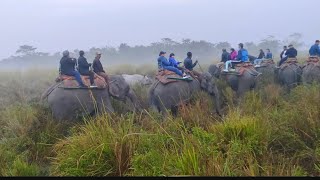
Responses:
[92,86]
[225,70]
[257,65]
[232,70]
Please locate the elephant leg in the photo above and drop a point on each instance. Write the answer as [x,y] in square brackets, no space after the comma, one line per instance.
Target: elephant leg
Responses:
[174,110]
[104,105]
[133,98]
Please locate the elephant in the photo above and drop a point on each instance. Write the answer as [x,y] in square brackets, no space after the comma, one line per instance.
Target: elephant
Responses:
[240,84]
[137,79]
[268,74]
[170,96]
[311,73]
[289,76]
[69,104]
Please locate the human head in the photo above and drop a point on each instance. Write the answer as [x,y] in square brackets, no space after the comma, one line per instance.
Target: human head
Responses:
[98,55]
[224,50]
[65,53]
[317,42]
[240,46]
[189,54]
[172,55]
[232,49]
[162,53]
[261,50]
[268,50]
[290,46]
[285,47]
[81,53]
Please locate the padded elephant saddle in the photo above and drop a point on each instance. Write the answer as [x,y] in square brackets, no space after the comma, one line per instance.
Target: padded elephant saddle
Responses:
[289,62]
[241,68]
[267,62]
[70,81]
[166,77]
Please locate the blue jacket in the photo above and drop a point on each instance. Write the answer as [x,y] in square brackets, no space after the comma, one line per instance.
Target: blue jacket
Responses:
[243,55]
[163,62]
[173,62]
[291,53]
[269,55]
[314,50]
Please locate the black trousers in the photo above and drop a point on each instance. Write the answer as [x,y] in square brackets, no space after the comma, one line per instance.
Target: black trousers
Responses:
[91,76]
[283,60]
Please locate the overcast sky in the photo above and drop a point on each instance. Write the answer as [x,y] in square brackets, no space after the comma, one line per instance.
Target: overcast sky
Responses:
[55,25]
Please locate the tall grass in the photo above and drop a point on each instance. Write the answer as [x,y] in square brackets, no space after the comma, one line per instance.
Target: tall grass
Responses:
[267,133]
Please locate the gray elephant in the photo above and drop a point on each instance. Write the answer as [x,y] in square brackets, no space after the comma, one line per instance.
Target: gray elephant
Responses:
[69,104]
[311,71]
[170,96]
[238,83]
[289,75]
[268,73]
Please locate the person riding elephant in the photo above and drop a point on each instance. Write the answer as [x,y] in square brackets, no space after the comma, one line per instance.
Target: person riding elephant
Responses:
[67,67]
[242,57]
[175,63]
[98,68]
[84,66]
[224,56]
[163,63]
[290,53]
[189,65]
[315,49]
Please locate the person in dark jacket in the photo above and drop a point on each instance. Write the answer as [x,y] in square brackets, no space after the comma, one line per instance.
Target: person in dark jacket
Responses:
[258,61]
[291,53]
[283,53]
[67,67]
[188,62]
[225,56]
[98,68]
[315,49]
[84,66]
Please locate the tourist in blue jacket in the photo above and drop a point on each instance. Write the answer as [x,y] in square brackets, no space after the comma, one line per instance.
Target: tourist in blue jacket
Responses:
[269,54]
[242,57]
[163,63]
[315,49]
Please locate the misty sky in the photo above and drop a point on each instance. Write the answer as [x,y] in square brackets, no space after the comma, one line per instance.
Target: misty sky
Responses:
[55,25]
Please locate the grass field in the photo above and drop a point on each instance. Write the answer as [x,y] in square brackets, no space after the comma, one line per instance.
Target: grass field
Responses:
[267,133]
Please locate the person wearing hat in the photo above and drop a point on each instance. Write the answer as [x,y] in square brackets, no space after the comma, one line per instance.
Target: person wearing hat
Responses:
[291,53]
[67,67]
[98,68]
[84,66]
[224,56]
[315,49]
[163,63]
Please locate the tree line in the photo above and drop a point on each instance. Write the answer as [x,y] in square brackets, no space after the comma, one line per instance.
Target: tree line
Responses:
[27,56]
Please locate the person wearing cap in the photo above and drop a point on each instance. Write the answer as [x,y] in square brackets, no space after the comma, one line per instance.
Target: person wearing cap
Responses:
[315,50]
[98,68]
[163,63]
[291,53]
[67,67]
[84,66]
[224,56]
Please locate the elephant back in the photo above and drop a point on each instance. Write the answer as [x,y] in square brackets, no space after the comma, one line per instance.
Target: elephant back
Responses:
[312,61]
[166,77]
[289,62]
[70,81]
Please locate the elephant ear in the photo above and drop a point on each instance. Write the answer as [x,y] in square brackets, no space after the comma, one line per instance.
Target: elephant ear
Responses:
[118,88]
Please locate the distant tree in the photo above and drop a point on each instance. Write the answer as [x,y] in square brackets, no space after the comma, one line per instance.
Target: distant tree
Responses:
[270,43]
[295,39]
[223,45]
[26,50]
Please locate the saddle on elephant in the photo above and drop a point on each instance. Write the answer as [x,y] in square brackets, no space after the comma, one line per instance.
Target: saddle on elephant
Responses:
[70,81]
[266,62]
[313,60]
[240,69]
[289,62]
[165,76]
